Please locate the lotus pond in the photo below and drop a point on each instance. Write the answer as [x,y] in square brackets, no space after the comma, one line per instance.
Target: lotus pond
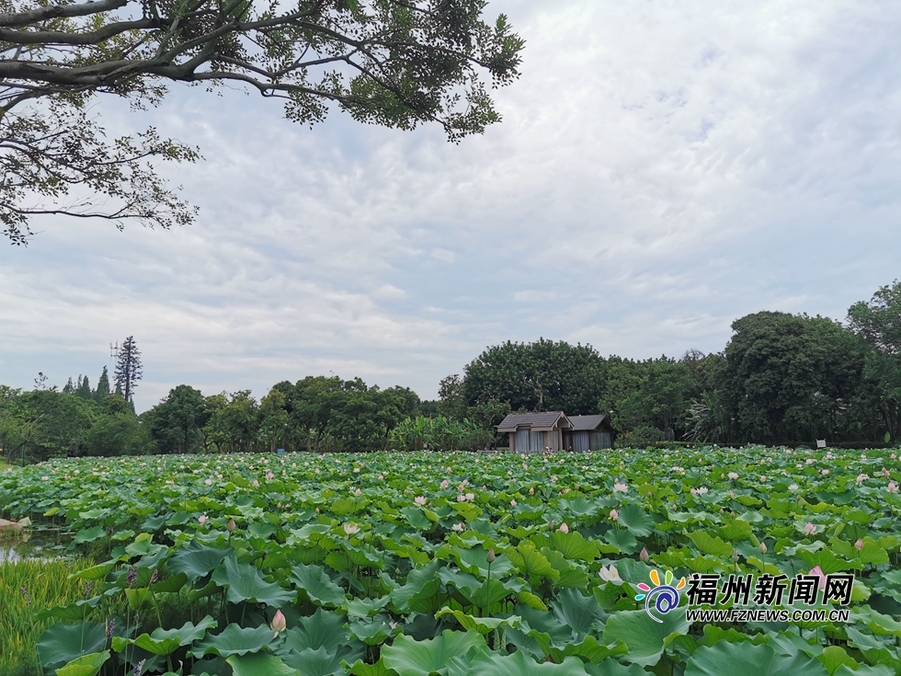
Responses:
[500,564]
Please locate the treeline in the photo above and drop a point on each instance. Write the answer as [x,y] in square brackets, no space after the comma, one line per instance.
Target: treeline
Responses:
[781,379]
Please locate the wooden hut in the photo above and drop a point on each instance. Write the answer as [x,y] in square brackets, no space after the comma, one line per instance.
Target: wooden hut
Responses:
[588,433]
[535,432]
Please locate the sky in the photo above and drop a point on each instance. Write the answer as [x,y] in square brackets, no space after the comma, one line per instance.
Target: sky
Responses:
[662,168]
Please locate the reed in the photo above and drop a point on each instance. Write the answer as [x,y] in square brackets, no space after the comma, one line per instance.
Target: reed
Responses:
[27,587]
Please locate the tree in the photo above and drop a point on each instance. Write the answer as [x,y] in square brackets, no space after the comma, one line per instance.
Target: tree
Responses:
[83,389]
[397,63]
[176,423]
[879,323]
[790,377]
[102,391]
[540,376]
[128,369]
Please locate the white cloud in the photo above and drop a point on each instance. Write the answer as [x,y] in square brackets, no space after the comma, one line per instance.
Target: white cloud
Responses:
[662,169]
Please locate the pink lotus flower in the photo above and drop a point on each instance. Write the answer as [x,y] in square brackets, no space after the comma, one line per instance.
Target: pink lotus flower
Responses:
[278,624]
[563,528]
[202,519]
[419,501]
[886,473]
[821,577]
[459,527]
[644,556]
[762,548]
[892,487]
[859,545]
[621,488]
[614,514]
[513,503]
[351,529]
[444,484]
[810,529]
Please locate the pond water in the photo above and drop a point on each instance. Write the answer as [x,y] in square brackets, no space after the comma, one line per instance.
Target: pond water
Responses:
[39,544]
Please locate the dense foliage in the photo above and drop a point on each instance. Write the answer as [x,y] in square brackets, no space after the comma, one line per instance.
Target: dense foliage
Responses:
[397,63]
[462,564]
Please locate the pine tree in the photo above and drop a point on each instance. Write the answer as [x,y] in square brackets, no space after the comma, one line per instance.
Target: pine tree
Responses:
[102,391]
[69,388]
[128,368]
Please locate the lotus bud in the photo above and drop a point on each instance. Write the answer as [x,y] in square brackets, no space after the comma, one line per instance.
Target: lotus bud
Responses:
[278,623]
[563,528]
[614,514]
[762,548]
[735,555]
[231,525]
[810,529]
[491,557]
[644,556]
[859,545]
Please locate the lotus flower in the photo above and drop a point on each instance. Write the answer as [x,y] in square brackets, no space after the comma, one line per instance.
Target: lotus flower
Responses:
[733,475]
[231,525]
[892,487]
[762,548]
[351,529]
[621,488]
[614,514]
[491,555]
[419,501]
[202,519]
[459,527]
[563,528]
[810,529]
[278,624]
[610,574]
[859,545]
[821,577]
[644,556]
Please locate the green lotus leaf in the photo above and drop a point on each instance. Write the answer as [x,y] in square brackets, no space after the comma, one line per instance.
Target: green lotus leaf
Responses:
[89,534]
[86,665]
[234,640]
[245,583]
[62,643]
[196,560]
[322,629]
[645,638]
[573,546]
[579,613]
[260,664]
[639,523]
[319,662]
[709,544]
[483,625]
[735,658]
[313,581]
[517,664]
[409,657]
[167,641]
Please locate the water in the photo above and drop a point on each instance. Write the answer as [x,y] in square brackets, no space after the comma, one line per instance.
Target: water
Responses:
[38,545]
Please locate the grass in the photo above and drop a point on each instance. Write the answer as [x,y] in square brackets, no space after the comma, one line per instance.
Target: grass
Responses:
[26,587]
[4,466]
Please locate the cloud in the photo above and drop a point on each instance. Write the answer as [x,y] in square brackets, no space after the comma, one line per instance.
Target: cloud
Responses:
[661,170]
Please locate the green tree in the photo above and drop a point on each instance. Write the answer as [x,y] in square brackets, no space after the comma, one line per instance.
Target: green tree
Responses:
[102,391]
[789,377]
[452,398]
[118,434]
[83,389]
[539,376]
[398,63]
[176,423]
[878,322]
[653,394]
[47,424]
[234,422]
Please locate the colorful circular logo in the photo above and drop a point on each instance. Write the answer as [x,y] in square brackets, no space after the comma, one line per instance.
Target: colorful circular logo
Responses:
[663,597]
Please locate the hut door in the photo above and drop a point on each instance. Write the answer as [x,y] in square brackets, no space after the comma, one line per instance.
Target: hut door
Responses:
[522,441]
